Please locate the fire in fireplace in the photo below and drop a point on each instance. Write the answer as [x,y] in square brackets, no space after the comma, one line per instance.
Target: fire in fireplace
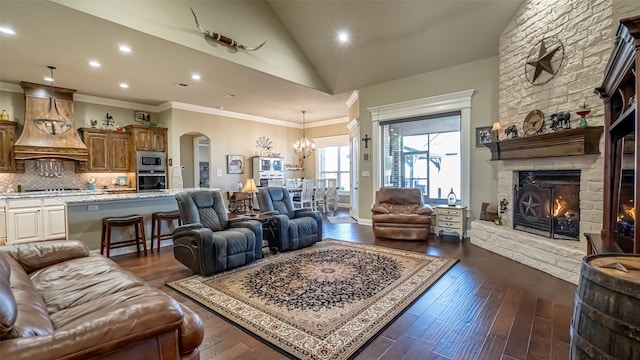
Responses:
[547,203]
[626,210]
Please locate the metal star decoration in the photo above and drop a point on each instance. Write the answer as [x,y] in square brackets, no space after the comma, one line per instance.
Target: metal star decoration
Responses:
[544,60]
[530,206]
[620,266]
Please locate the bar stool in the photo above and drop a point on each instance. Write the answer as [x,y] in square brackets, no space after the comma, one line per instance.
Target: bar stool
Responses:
[120,221]
[156,225]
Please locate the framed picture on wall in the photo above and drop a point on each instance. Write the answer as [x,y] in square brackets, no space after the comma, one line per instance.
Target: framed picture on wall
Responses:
[141,116]
[235,164]
[483,135]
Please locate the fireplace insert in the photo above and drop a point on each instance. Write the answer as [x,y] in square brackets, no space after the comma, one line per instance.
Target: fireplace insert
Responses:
[547,203]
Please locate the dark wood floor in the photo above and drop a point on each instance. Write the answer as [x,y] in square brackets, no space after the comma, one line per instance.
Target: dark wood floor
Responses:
[485,307]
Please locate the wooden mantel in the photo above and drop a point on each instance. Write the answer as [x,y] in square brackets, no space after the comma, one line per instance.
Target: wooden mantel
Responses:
[559,143]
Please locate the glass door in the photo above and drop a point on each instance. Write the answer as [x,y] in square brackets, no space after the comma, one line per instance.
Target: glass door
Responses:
[415,174]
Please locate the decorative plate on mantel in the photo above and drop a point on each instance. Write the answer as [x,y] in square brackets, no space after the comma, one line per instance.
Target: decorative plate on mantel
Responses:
[533,123]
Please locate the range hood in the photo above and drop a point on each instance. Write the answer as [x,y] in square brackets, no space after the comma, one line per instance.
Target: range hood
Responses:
[37,143]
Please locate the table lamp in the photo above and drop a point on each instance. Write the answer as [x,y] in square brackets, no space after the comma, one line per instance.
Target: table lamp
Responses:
[495,129]
[250,187]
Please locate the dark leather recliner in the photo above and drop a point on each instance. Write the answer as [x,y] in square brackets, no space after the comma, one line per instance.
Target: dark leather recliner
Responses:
[208,242]
[399,213]
[298,228]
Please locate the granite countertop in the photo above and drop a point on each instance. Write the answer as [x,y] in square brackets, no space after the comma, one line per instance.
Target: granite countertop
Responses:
[85,196]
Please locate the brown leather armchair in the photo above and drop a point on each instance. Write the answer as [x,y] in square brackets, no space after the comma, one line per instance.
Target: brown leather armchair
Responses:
[58,302]
[399,213]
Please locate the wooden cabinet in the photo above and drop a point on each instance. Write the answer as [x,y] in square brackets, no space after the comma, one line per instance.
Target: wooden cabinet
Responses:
[621,160]
[109,151]
[451,219]
[148,138]
[119,151]
[35,220]
[7,139]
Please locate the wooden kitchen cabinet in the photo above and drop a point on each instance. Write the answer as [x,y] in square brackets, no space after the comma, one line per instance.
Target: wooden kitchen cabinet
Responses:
[109,151]
[148,138]
[119,150]
[7,139]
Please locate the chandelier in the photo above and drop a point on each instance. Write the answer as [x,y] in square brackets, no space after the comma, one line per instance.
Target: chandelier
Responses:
[52,121]
[304,147]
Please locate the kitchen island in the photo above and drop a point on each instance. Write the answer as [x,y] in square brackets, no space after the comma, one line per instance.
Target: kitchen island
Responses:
[83,213]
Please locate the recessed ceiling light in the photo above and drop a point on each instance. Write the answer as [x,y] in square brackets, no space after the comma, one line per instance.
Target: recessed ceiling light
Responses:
[343,37]
[48,78]
[230,96]
[124,85]
[6,30]
[94,64]
[125,48]
[195,76]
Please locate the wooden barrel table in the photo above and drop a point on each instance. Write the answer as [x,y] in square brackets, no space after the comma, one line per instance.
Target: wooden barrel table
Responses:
[606,317]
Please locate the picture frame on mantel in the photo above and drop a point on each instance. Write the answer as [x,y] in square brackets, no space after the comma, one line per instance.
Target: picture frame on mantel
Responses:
[235,164]
[483,135]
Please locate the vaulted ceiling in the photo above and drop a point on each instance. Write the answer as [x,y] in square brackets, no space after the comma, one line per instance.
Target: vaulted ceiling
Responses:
[302,66]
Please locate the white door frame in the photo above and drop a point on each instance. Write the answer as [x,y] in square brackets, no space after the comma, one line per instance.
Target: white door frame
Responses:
[196,160]
[354,148]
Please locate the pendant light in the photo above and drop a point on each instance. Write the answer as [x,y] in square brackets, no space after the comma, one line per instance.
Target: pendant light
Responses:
[53,121]
[304,147]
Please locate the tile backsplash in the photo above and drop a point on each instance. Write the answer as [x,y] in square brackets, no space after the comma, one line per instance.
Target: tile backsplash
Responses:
[32,180]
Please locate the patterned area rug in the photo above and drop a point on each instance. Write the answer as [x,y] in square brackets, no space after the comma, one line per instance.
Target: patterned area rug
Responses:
[341,220]
[322,302]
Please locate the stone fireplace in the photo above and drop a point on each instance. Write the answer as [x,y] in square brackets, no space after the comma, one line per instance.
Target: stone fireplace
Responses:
[547,203]
[557,254]
[587,30]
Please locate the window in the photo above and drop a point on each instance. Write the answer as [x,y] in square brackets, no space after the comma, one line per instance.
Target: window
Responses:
[334,163]
[423,153]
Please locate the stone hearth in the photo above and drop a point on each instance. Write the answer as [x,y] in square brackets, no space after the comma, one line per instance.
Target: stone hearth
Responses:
[560,258]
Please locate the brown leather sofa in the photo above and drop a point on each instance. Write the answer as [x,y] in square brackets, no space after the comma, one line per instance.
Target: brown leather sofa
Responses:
[399,213]
[57,302]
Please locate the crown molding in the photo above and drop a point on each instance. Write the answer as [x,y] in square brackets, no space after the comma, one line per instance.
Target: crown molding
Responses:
[353,98]
[5,86]
[116,103]
[327,122]
[425,106]
[352,124]
[226,113]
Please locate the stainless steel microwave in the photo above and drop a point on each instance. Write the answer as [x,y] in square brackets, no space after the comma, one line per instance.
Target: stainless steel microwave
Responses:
[150,161]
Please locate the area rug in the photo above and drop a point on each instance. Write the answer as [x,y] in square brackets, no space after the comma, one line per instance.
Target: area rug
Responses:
[325,301]
[341,220]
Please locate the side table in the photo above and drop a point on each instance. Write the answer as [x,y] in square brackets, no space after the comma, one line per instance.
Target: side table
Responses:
[270,231]
[451,219]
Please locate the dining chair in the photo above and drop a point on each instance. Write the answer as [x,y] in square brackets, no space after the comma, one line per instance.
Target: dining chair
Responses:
[306,195]
[290,183]
[331,196]
[319,194]
[276,183]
